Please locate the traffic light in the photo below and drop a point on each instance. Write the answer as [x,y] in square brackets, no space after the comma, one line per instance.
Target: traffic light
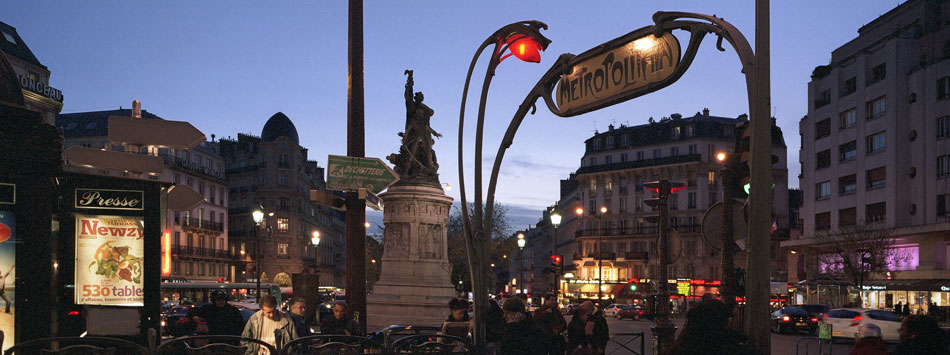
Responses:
[744,142]
[555,260]
[633,287]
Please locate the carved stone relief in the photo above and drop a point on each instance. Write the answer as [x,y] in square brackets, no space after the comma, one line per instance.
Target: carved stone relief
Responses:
[396,237]
[430,241]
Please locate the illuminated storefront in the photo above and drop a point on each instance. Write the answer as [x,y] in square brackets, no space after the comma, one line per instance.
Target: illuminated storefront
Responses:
[918,294]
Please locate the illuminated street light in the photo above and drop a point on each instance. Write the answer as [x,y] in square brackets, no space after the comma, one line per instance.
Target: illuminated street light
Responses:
[315,240]
[721,157]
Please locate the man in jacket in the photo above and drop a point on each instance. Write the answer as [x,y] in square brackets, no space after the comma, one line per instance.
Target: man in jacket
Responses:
[221,317]
[552,323]
[521,332]
[588,330]
[340,324]
[265,325]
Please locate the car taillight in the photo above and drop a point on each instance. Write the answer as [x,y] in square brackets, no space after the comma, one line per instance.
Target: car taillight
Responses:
[73,313]
[824,316]
[813,319]
[785,319]
[856,321]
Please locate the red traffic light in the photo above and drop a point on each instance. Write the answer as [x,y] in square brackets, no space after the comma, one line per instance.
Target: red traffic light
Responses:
[220,279]
[525,48]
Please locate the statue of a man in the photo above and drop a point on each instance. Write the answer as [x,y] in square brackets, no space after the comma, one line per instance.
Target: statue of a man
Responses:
[416,157]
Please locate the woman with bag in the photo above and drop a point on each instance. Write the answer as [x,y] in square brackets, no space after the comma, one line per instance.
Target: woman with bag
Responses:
[587,333]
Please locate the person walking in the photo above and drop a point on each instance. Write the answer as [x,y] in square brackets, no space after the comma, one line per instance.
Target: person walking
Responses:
[221,317]
[521,332]
[298,315]
[458,310]
[587,333]
[340,324]
[552,324]
[921,335]
[706,332]
[869,341]
[899,309]
[265,325]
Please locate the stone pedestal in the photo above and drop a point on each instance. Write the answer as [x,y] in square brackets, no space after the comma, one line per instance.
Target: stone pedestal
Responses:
[414,286]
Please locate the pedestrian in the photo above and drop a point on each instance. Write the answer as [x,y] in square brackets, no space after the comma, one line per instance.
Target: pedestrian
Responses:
[587,333]
[869,341]
[552,323]
[906,309]
[899,309]
[221,317]
[340,324]
[921,335]
[521,332]
[298,315]
[494,326]
[265,325]
[706,332]
[458,310]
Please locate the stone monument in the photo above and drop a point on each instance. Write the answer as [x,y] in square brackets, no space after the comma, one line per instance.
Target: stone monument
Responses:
[414,286]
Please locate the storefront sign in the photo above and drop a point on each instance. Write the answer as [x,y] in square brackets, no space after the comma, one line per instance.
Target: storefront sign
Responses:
[110,199]
[945,288]
[873,288]
[109,254]
[40,88]
[683,288]
[625,71]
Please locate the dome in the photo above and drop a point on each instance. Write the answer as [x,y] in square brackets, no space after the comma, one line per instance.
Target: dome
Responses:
[279,125]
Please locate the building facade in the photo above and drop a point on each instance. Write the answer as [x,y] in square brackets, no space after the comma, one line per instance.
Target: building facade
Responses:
[32,76]
[615,242]
[199,235]
[875,153]
[273,172]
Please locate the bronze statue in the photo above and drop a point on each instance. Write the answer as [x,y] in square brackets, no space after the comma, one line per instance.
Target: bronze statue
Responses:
[416,161]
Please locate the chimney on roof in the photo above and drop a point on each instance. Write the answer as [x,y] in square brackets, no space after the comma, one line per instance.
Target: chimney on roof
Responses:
[136,109]
[676,116]
[610,127]
[705,112]
[212,138]
[743,117]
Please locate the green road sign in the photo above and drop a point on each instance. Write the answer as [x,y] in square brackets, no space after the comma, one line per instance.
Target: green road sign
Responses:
[824,331]
[351,173]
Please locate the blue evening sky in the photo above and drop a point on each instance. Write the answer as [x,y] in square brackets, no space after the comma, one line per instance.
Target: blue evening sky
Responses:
[226,66]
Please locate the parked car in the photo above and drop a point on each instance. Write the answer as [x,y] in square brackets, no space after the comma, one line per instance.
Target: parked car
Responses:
[817,310]
[845,321]
[176,321]
[631,312]
[388,335]
[611,310]
[787,319]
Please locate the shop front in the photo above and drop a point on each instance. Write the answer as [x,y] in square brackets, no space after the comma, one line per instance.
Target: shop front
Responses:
[919,295]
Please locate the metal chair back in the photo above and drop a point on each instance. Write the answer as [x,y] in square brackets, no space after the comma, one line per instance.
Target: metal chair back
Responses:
[77,346]
[325,344]
[432,344]
[212,345]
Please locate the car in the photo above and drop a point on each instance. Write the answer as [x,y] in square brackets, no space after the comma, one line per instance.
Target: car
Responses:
[569,309]
[845,321]
[176,321]
[611,310]
[631,312]
[787,319]
[532,307]
[388,335]
[816,310]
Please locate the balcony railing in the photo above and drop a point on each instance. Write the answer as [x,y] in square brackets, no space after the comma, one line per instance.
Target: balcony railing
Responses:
[192,166]
[248,168]
[204,224]
[181,250]
[633,231]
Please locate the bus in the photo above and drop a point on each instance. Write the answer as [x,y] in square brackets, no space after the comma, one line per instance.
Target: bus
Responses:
[242,293]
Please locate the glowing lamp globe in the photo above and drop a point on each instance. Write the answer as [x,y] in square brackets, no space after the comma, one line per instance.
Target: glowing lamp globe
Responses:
[525,48]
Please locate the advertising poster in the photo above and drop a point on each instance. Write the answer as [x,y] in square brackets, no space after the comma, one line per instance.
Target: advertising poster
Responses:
[7,275]
[109,255]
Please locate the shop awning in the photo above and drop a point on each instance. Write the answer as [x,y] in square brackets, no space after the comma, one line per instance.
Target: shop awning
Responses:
[617,289]
[183,198]
[163,133]
[109,160]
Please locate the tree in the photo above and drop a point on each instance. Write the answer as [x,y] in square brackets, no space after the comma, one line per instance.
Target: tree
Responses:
[458,256]
[857,251]
[374,251]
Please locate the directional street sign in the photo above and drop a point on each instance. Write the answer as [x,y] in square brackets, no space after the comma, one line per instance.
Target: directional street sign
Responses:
[351,173]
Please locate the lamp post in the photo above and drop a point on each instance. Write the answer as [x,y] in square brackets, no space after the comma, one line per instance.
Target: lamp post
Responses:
[521,259]
[258,216]
[555,221]
[600,261]
[525,42]
[663,329]
[315,241]
[579,212]
[728,290]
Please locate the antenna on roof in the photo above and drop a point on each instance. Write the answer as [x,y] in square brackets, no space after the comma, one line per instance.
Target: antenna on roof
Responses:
[595,126]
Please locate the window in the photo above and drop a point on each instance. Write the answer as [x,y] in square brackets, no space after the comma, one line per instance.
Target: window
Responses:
[283,204]
[656,154]
[823,221]
[847,184]
[823,99]
[876,178]
[283,224]
[674,151]
[608,186]
[624,140]
[639,155]
[848,119]
[943,166]
[878,73]
[943,127]
[595,144]
[712,177]
[847,216]
[850,86]
[690,131]
[282,249]
[943,87]
[593,186]
[875,212]
[283,180]
[848,151]
[692,148]
[608,159]
[623,157]
[676,132]
[823,128]
[610,142]
[823,159]
[823,190]
[876,143]
[691,200]
[9,37]
[876,108]
[623,205]
[942,205]
[593,161]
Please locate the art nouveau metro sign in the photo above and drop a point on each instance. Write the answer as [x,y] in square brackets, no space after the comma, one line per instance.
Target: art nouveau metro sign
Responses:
[618,73]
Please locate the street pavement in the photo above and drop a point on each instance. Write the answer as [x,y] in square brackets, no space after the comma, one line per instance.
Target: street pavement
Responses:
[782,344]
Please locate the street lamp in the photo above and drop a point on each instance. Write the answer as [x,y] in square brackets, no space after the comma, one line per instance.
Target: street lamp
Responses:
[521,258]
[258,217]
[555,221]
[600,260]
[315,241]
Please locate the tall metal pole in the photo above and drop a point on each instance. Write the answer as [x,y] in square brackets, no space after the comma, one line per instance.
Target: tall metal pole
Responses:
[663,329]
[355,208]
[756,315]
[600,268]
[727,291]
[257,258]
[556,287]
[521,268]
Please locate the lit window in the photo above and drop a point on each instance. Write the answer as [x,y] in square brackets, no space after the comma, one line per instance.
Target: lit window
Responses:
[283,224]
[282,249]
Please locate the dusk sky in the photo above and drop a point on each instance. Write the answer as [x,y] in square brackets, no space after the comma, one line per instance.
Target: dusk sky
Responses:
[227,66]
